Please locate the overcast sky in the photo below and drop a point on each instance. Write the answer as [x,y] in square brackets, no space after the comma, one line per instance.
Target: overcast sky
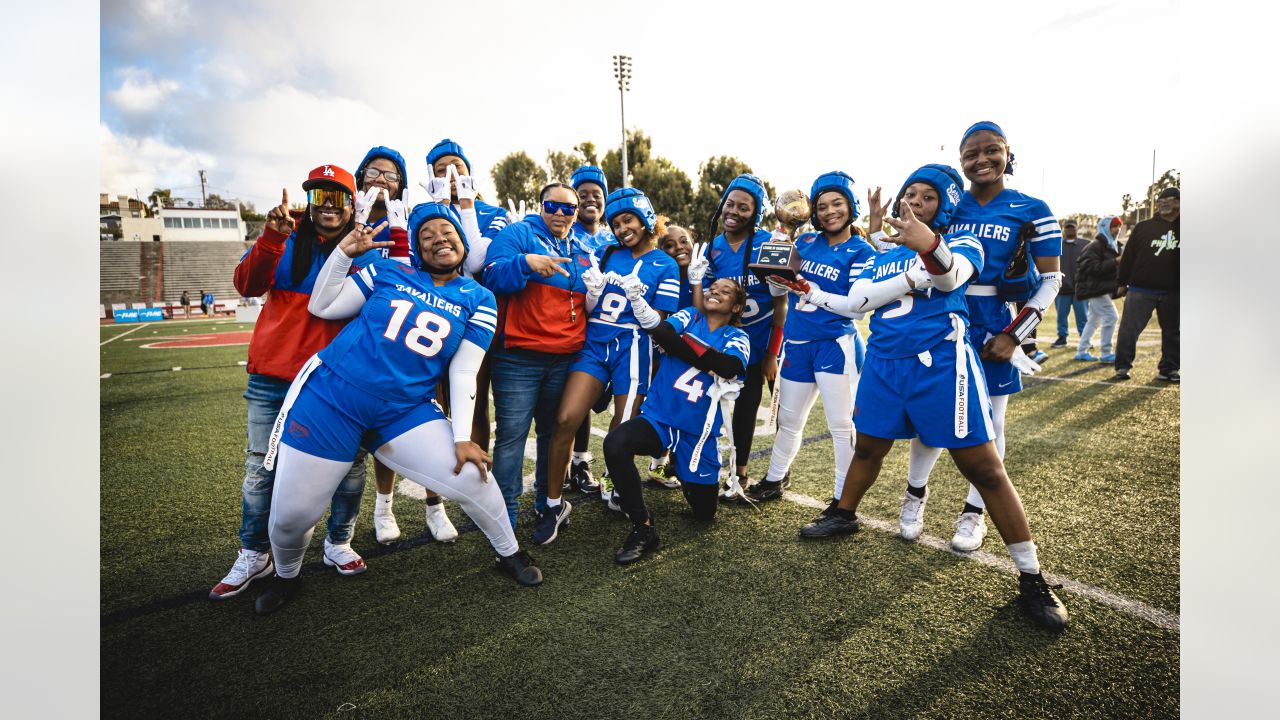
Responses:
[258,93]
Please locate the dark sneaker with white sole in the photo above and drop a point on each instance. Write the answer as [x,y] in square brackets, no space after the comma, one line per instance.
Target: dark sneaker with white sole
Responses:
[642,540]
[520,567]
[1036,597]
[832,522]
[548,527]
[766,490]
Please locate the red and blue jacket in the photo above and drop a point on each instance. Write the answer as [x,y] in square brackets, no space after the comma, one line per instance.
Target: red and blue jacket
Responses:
[546,315]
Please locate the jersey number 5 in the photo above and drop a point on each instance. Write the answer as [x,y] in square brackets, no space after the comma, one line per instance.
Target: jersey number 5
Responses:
[904,306]
[428,333]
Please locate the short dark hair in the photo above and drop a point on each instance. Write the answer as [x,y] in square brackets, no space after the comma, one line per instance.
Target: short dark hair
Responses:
[542,194]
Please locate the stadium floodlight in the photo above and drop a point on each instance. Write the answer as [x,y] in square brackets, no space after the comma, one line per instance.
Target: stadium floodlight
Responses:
[622,73]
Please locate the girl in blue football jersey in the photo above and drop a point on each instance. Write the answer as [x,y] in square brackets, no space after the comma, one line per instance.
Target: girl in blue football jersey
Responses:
[922,376]
[695,385]
[728,255]
[1023,243]
[822,352]
[678,243]
[374,385]
[628,285]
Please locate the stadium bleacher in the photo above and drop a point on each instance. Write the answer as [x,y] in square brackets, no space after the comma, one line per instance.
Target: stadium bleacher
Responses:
[158,272]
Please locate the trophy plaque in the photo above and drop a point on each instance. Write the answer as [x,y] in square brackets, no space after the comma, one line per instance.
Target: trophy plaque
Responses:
[778,256]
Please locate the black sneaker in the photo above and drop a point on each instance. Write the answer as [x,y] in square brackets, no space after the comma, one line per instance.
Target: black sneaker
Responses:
[549,524]
[278,592]
[1172,377]
[766,490]
[1121,374]
[642,539]
[1040,604]
[580,477]
[833,521]
[731,495]
[520,567]
[1061,342]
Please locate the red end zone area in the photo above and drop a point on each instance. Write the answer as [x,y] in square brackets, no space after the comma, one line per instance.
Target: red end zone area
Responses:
[206,340]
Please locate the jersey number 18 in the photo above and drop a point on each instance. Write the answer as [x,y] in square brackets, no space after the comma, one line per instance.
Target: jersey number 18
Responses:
[428,333]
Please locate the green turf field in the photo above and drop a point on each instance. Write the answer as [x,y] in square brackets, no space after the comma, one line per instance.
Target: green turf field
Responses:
[736,620]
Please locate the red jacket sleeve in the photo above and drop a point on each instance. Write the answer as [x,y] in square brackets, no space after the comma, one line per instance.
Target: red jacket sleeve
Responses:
[255,273]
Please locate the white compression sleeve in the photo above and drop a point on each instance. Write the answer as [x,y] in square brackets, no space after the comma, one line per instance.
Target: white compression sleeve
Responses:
[462,388]
[864,296]
[920,462]
[645,314]
[960,272]
[478,245]
[795,401]
[304,485]
[837,402]
[335,295]
[1048,290]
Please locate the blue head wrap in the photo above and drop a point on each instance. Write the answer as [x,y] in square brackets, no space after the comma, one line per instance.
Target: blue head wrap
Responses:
[947,182]
[382,152]
[630,200]
[839,182]
[447,147]
[423,212]
[589,174]
[991,127]
[751,185]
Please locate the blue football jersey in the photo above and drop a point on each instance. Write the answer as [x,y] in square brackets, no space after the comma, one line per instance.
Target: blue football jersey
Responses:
[612,313]
[678,394]
[997,225]
[725,262]
[400,345]
[596,240]
[921,318]
[832,269]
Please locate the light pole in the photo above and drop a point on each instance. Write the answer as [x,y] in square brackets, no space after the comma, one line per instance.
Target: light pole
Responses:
[622,72]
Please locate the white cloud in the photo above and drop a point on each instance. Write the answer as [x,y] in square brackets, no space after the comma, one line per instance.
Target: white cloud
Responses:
[141,91]
[141,164]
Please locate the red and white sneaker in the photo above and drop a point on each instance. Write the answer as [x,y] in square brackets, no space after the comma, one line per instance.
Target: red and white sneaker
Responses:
[249,566]
[343,559]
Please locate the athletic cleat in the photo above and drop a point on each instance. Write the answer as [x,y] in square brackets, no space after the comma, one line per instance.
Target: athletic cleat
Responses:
[1121,374]
[278,592]
[1172,377]
[549,524]
[580,477]
[1040,604]
[663,475]
[1085,356]
[766,490]
[971,528]
[519,566]
[249,566]
[343,559]
[642,540]
[911,519]
[1108,358]
[385,528]
[439,525]
[612,502]
[1061,342]
[832,522]
[1039,356]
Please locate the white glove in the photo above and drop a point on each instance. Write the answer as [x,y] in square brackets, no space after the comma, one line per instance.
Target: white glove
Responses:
[918,275]
[397,213]
[731,388]
[464,184]
[438,189]
[593,278]
[518,211]
[699,264]
[365,200]
[632,286]
[1024,364]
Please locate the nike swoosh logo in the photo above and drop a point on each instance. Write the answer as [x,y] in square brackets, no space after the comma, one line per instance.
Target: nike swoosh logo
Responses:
[473,396]
[1013,205]
[1000,385]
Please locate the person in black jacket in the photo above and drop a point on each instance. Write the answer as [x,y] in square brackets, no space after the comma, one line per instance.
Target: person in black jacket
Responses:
[1067,300]
[1096,270]
[1149,271]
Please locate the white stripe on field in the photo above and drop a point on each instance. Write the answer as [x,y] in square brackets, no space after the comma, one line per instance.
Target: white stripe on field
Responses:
[126,332]
[1134,608]
[1110,383]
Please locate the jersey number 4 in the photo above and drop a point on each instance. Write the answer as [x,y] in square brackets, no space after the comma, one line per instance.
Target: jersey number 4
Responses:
[427,335]
[691,387]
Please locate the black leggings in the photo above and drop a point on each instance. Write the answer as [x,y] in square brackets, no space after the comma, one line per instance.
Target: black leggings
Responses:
[637,437]
[744,413]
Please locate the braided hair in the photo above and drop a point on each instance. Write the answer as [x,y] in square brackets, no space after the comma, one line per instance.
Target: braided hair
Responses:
[751,236]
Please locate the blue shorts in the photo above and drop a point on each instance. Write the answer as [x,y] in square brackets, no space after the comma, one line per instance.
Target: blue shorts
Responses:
[623,362]
[838,356]
[331,418]
[903,397]
[989,315]
[681,443]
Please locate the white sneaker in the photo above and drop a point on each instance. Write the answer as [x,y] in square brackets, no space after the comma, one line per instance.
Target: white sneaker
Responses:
[612,502]
[385,527]
[438,523]
[249,566]
[343,559]
[911,519]
[971,528]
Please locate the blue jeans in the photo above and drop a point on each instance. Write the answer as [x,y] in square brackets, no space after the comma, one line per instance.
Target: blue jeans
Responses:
[1065,304]
[265,395]
[526,388]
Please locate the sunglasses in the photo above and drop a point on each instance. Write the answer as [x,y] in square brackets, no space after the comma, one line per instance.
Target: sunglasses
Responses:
[551,207]
[373,173]
[321,197]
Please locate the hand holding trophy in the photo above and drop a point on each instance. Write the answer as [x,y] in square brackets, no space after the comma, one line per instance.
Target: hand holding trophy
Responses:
[778,256]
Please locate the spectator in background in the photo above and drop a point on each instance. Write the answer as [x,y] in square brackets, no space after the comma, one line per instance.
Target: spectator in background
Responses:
[1096,282]
[185,301]
[1149,272]
[204,303]
[209,302]
[1067,300]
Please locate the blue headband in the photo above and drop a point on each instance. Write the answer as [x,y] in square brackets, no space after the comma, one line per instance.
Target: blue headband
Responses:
[949,185]
[839,182]
[990,127]
[630,200]
[751,185]
[423,212]
[447,147]
[589,174]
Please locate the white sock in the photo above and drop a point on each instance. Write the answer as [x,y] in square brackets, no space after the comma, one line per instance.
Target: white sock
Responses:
[975,498]
[921,459]
[582,457]
[1024,557]
[553,502]
[382,505]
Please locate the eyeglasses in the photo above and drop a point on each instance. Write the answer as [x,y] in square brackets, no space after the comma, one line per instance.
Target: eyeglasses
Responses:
[551,207]
[373,173]
[321,197]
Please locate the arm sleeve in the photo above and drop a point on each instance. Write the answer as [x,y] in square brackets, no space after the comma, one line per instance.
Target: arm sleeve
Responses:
[462,387]
[696,353]
[865,295]
[337,296]
[959,274]
[400,251]
[477,244]
[256,271]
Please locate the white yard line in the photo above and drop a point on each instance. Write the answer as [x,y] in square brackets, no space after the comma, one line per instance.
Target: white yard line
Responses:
[126,332]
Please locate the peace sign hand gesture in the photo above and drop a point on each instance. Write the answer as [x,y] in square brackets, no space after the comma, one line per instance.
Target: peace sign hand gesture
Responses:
[912,233]
[464,187]
[594,278]
[278,218]
[365,200]
[438,188]
[632,286]
[878,212]
[699,264]
[397,212]
[360,240]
